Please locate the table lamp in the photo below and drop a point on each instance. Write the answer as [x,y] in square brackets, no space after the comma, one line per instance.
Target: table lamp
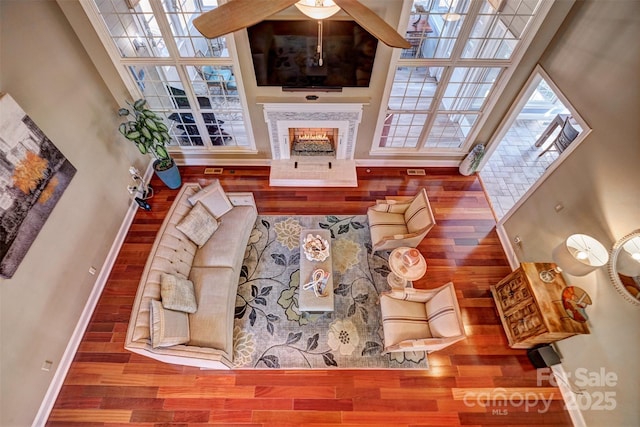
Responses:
[580,254]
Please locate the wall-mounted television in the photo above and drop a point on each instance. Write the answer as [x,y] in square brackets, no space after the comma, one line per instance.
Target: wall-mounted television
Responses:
[285,54]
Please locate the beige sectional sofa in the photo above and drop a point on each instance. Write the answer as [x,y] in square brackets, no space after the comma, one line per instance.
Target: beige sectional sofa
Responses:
[214,270]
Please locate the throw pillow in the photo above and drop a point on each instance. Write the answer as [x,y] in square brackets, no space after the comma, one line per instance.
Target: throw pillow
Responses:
[168,327]
[198,225]
[177,293]
[442,316]
[213,198]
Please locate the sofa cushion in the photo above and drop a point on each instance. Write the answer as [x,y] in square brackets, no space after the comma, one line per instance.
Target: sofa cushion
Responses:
[177,294]
[403,320]
[212,325]
[213,198]
[168,327]
[227,246]
[441,314]
[199,225]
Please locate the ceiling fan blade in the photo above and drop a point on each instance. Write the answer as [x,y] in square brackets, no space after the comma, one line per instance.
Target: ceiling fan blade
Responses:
[236,15]
[371,22]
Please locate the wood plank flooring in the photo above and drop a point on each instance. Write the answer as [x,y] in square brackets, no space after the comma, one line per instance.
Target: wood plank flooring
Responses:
[477,382]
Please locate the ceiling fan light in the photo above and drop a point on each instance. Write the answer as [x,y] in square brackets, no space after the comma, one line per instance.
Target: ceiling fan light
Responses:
[310,8]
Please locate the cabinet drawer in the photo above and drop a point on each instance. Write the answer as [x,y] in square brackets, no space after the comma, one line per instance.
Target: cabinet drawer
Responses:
[524,322]
[513,292]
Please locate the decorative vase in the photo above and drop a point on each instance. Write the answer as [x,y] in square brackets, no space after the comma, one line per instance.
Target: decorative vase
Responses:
[471,162]
[170,177]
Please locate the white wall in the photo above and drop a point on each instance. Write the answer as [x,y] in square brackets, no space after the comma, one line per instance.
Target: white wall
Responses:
[595,61]
[45,69]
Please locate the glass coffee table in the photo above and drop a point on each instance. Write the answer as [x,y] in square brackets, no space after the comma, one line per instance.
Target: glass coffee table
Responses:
[317,256]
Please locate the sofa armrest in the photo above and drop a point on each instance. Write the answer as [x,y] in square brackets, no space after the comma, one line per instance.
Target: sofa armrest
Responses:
[423,344]
[399,237]
[411,294]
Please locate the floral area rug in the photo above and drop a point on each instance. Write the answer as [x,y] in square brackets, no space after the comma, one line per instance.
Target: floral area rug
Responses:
[271,332]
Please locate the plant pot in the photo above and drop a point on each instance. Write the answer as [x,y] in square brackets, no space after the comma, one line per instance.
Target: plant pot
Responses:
[471,162]
[170,177]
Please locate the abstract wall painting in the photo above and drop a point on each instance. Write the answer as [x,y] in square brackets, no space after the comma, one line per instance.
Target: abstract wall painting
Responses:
[33,176]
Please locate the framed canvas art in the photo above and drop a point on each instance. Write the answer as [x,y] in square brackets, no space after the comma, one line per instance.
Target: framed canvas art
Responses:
[33,176]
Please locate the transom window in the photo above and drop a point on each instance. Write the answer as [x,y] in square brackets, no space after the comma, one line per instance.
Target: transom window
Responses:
[460,50]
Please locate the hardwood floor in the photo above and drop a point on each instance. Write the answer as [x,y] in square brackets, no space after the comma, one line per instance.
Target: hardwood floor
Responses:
[108,386]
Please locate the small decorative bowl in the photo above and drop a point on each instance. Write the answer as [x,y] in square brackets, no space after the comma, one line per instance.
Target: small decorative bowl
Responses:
[315,248]
[411,257]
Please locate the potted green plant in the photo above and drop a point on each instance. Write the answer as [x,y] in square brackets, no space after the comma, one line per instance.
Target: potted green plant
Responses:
[472,161]
[147,131]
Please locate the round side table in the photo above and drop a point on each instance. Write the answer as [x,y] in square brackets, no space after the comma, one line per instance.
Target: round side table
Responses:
[402,275]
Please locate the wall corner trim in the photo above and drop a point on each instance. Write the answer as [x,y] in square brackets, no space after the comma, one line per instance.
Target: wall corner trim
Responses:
[567,395]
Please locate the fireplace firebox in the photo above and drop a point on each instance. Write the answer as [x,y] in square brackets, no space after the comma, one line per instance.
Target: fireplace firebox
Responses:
[313,141]
[312,129]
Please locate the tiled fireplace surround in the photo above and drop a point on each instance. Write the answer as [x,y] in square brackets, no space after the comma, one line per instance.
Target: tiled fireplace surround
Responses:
[281,117]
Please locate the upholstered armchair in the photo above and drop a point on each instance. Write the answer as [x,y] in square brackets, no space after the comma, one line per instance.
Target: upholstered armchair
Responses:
[421,319]
[400,221]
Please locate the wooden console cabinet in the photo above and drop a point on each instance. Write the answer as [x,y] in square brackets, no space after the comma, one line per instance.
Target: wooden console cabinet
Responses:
[531,310]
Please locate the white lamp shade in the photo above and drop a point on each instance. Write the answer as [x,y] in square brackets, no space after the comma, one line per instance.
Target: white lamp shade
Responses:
[580,254]
[309,8]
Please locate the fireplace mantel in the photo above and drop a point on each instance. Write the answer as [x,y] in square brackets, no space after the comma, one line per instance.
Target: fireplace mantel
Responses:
[281,116]
[317,171]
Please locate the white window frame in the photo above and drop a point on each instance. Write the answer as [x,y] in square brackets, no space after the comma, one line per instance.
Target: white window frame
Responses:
[174,59]
[449,64]
[523,97]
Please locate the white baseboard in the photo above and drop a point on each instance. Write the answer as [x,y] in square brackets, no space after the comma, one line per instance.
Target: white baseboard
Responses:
[563,384]
[211,160]
[507,247]
[72,347]
[391,163]
[216,161]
